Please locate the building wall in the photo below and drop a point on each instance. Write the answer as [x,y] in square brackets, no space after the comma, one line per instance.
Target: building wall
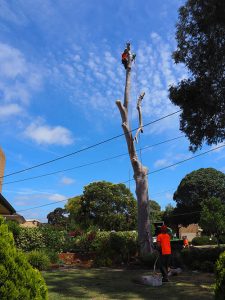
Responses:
[31,224]
[191,231]
[2,167]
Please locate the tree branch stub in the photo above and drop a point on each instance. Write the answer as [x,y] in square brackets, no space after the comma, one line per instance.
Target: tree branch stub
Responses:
[140,128]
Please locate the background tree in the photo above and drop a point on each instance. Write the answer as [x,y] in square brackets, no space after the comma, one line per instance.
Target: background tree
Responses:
[167,215]
[193,189]
[105,205]
[58,217]
[140,171]
[155,211]
[201,47]
[212,218]
[73,207]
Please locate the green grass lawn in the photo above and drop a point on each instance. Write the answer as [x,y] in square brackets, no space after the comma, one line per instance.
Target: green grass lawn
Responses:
[107,283]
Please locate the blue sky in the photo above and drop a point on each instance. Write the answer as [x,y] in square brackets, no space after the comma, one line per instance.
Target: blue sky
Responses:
[60,75]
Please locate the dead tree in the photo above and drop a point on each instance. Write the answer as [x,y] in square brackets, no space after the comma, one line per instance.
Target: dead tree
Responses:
[140,171]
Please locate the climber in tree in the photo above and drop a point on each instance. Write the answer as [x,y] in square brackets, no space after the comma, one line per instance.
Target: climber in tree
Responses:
[125,58]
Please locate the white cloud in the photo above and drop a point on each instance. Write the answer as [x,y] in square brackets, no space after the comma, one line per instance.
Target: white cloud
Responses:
[18,78]
[103,76]
[162,163]
[33,198]
[44,134]
[10,110]
[170,159]
[67,180]
[57,197]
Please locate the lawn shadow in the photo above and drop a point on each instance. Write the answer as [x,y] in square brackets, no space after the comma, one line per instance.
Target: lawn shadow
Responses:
[108,283]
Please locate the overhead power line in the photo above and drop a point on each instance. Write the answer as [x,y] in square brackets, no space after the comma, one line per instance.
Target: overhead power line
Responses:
[52,203]
[89,164]
[180,162]
[86,148]
[35,207]
[162,192]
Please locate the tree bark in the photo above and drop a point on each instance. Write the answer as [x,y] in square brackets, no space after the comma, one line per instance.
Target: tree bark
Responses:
[140,171]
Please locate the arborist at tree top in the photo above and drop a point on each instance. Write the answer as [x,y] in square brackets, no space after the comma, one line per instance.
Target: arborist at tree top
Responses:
[125,56]
[163,243]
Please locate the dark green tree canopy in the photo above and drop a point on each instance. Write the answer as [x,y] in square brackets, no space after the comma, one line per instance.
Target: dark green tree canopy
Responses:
[212,218]
[195,188]
[105,205]
[200,39]
[58,217]
[167,216]
[155,211]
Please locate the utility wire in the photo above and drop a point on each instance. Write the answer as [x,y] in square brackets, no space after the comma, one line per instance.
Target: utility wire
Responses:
[52,203]
[182,161]
[89,164]
[162,192]
[86,148]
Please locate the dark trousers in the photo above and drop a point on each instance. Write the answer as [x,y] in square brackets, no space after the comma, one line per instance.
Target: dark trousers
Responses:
[125,63]
[164,261]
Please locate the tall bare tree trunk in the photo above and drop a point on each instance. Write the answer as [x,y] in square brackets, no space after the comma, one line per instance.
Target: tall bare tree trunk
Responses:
[140,171]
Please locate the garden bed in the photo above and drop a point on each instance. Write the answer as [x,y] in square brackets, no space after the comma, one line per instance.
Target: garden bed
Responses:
[77,259]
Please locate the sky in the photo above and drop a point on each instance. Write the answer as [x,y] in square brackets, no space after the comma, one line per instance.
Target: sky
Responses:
[60,75]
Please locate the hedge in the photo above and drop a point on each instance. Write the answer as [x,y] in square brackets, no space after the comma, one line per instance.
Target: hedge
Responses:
[108,247]
[201,259]
[204,240]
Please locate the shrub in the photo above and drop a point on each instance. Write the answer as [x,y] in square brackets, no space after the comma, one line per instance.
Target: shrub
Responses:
[123,244]
[204,240]
[52,255]
[18,279]
[38,259]
[201,259]
[30,239]
[102,262]
[53,238]
[220,278]
[101,245]
[14,227]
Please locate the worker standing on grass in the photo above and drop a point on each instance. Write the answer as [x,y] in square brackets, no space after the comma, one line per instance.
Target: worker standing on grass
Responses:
[163,243]
[185,242]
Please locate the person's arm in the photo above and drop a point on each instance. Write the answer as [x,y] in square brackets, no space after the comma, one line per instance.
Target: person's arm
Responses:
[158,242]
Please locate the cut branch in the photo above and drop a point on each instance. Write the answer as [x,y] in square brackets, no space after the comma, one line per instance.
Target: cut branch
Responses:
[140,128]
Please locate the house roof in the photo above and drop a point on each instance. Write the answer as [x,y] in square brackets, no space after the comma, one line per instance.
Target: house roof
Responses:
[6,204]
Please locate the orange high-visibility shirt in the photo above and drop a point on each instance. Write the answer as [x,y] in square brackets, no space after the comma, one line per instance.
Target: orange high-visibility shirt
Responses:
[164,240]
[124,56]
[186,242]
